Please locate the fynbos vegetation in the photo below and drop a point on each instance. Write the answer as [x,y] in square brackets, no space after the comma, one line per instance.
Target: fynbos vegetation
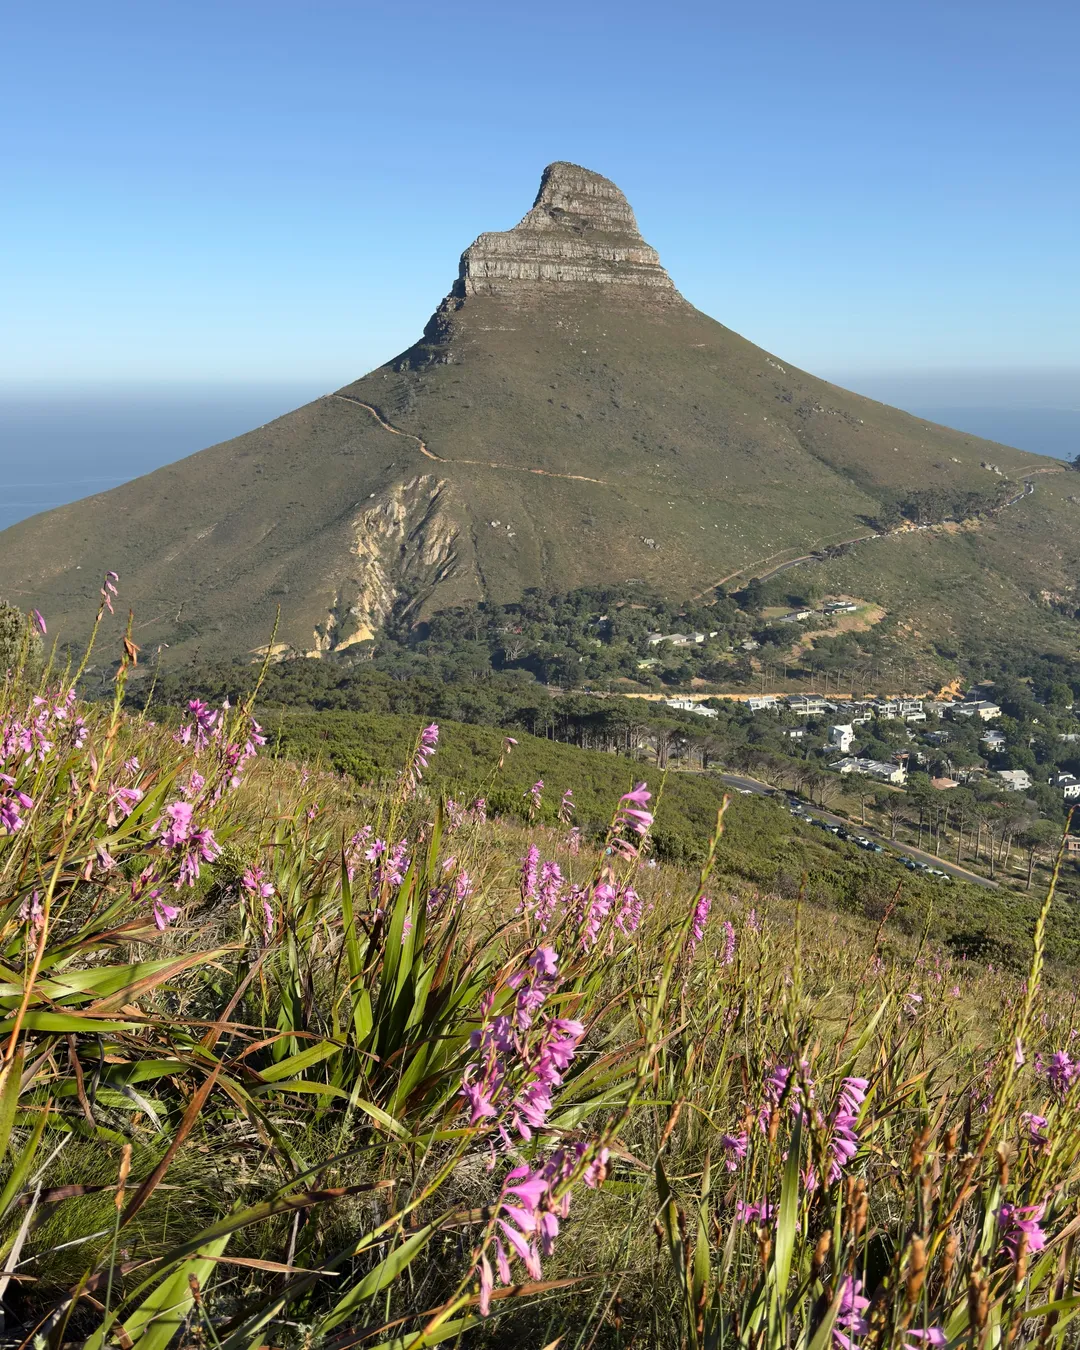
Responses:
[289,1060]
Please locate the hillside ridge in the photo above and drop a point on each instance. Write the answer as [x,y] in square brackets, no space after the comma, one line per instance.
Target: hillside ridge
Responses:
[567,418]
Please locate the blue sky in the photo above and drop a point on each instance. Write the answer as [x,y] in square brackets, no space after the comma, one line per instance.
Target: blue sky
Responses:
[233,191]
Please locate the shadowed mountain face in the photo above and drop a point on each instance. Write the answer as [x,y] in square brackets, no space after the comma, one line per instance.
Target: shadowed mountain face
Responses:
[567,418]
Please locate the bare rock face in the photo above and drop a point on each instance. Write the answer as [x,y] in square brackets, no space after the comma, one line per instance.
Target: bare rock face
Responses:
[403,545]
[580,233]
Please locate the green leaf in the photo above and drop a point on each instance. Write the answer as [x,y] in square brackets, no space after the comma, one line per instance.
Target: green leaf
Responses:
[37,1020]
[162,1313]
[384,1273]
[294,1065]
[787,1223]
[21,1169]
[9,1099]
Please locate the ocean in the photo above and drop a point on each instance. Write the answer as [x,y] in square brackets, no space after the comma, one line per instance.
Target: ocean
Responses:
[56,449]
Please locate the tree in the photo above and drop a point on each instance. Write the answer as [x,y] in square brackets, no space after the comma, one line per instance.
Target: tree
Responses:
[20,642]
[1034,839]
[893,806]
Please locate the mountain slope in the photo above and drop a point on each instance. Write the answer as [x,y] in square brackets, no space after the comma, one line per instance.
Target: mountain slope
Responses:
[567,418]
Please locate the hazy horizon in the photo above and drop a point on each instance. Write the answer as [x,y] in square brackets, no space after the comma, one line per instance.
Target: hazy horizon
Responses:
[60,442]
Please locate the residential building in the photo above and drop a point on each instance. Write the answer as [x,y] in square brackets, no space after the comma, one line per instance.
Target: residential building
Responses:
[1016,780]
[796,616]
[1067,784]
[795,733]
[764,703]
[839,607]
[690,706]
[993,740]
[1072,844]
[943,784]
[676,639]
[872,768]
[841,737]
[938,737]
[976,707]
[809,705]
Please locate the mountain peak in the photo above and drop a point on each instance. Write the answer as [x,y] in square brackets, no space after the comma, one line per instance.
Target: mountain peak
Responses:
[580,234]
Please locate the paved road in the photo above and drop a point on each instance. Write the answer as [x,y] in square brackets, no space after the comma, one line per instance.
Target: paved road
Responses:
[743,784]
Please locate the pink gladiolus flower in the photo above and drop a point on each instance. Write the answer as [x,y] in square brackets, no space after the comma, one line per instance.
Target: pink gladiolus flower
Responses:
[425,748]
[735,1148]
[1021,1223]
[487,1284]
[163,913]
[754,1213]
[1035,1125]
[728,954]
[566,806]
[31,912]
[919,1340]
[36,616]
[697,926]
[850,1321]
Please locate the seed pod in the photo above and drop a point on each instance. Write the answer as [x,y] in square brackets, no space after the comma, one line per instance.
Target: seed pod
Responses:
[978,1298]
[916,1271]
[1003,1165]
[918,1150]
[948,1259]
[821,1251]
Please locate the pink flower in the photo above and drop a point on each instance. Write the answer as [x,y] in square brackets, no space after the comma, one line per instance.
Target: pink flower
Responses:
[487,1284]
[754,1213]
[1035,1125]
[1021,1223]
[31,911]
[425,748]
[735,1147]
[36,616]
[697,926]
[163,913]
[850,1321]
[919,1340]
[728,954]
[174,825]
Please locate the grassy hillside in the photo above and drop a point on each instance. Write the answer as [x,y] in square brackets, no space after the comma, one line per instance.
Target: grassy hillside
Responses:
[294,1060]
[762,847]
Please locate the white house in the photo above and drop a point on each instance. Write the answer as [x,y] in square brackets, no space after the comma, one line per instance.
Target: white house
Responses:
[977,707]
[1016,780]
[809,705]
[841,737]
[688,705]
[839,607]
[993,740]
[872,768]
[1067,784]
[763,703]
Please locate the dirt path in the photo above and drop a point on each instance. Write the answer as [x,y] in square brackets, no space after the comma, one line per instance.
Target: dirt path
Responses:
[476,463]
[1027,491]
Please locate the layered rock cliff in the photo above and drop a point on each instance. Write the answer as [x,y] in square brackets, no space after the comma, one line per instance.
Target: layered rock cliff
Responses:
[580,233]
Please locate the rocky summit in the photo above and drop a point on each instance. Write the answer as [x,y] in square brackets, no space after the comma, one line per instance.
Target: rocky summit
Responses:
[567,418]
[580,234]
